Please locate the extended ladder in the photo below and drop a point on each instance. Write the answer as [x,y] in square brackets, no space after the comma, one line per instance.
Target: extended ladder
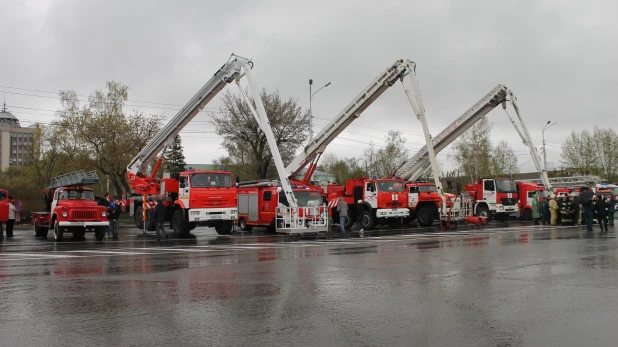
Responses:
[77,178]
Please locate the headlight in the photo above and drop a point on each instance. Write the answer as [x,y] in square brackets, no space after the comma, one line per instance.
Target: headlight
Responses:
[65,215]
[103,214]
[502,207]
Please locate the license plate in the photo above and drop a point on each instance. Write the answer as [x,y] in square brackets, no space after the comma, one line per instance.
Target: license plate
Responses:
[215,217]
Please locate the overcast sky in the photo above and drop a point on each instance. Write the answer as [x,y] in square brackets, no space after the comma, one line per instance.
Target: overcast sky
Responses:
[557,57]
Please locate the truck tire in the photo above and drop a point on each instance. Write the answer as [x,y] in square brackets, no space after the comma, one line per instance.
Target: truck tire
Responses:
[242,224]
[483,211]
[527,215]
[58,232]
[37,232]
[137,217]
[180,225]
[224,228]
[99,233]
[368,221]
[424,216]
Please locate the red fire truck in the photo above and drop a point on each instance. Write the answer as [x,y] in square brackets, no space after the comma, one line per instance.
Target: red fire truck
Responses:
[424,202]
[4,206]
[69,207]
[204,197]
[525,191]
[260,204]
[384,201]
[494,197]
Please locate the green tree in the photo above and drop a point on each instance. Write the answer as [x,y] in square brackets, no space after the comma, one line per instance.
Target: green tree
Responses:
[175,158]
[579,153]
[246,144]
[390,157]
[102,133]
[503,161]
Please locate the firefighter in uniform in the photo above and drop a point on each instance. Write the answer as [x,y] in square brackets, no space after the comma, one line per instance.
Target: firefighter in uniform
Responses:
[595,216]
[602,209]
[553,209]
[565,212]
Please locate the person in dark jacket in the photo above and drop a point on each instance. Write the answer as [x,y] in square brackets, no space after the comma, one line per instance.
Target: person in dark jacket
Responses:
[360,210]
[116,219]
[585,200]
[545,211]
[110,217]
[159,218]
[602,209]
[612,210]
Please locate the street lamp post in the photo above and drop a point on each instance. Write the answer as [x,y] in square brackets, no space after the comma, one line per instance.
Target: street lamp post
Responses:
[310,112]
[545,127]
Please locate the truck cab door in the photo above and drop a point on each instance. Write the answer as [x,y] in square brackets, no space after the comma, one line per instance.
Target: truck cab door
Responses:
[268,205]
[57,195]
[371,194]
[412,197]
[529,198]
[184,190]
[489,191]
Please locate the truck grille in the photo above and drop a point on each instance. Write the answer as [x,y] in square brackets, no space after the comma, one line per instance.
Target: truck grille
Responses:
[84,215]
[394,204]
[508,201]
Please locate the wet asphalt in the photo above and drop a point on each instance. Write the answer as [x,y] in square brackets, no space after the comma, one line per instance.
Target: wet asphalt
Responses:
[508,284]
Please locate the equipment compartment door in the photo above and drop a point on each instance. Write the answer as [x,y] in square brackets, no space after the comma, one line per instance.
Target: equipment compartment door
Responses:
[252,201]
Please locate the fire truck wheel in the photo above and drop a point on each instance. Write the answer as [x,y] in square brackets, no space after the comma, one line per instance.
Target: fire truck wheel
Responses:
[224,228]
[424,216]
[179,223]
[43,232]
[99,233]
[483,211]
[37,233]
[137,217]
[368,221]
[242,224]
[527,214]
[58,231]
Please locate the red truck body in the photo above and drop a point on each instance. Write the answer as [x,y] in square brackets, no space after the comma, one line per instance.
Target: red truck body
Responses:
[70,209]
[494,197]
[525,191]
[258,202]
[205,197]
[4,206]
[383,201]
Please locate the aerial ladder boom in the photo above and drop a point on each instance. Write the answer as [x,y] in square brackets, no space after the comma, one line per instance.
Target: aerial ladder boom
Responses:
[415,166]
[317,146]
[235,68]
[229,72]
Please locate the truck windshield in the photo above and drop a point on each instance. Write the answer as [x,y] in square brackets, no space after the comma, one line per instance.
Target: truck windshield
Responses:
[308,199]
[304,199]
[77,195]
[429,189]
[202,180]
[506,186]
[390,186]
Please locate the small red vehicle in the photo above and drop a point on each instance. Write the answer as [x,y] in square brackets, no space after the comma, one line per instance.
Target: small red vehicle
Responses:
[69,207]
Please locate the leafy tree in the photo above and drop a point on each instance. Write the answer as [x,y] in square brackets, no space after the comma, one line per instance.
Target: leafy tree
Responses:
[393,155]
[579,153]
[503,161]
[606,144]
[477,157]
[175,158]
[102,133]
[246,144]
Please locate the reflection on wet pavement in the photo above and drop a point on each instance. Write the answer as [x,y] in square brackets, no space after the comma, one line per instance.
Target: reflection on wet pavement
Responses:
[505,285]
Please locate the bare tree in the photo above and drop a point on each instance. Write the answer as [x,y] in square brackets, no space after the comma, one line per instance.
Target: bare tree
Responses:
[245,143]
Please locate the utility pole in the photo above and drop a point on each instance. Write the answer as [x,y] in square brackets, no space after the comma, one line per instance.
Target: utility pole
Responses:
[310,111]
[545,127]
